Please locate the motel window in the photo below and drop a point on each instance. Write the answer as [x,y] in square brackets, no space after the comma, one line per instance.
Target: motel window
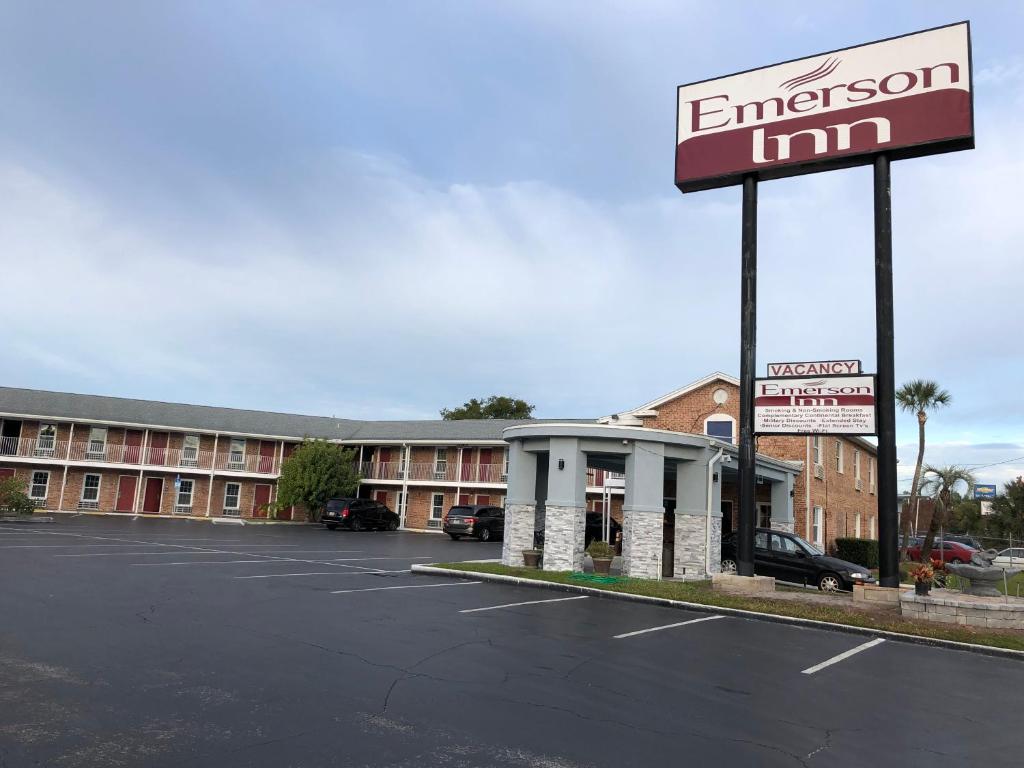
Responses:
[817,531]
[236,453]
[91,488]
[871,474]
[440,461]
[871,526]
[816,444]
[437,506]
[232,494]
[764,516]
[40,483]
[185,493]
[856,525]
[47,438]
[504,471]
[839,456]
[720,429]
[856,464]
[190,451]
[97,440]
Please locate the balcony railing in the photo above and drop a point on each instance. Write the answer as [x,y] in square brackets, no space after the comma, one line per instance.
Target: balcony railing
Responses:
[150,456]
[419,471]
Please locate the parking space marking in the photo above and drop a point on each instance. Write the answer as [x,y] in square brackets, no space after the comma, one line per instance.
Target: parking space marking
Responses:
[225,552]
[666,626]
[843,656]
[320,573]
[529,602]
[407,586]
[395,557]
[203,562]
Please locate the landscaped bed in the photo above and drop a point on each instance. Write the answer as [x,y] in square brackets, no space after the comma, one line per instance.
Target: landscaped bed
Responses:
[815,608]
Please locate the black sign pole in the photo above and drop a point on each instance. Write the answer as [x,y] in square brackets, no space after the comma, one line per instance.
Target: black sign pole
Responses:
[748,360]
[888,513]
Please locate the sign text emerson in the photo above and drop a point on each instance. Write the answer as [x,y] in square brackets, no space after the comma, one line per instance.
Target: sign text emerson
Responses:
[906,96]
[828,405]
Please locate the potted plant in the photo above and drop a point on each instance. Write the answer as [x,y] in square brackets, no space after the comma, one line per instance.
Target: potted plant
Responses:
[602,553]
[531,557]
[922,576]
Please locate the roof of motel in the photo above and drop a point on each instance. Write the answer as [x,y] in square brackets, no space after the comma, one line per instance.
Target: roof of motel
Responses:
[65,406]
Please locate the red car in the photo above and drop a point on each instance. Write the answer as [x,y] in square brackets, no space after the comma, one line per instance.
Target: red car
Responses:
[947,551]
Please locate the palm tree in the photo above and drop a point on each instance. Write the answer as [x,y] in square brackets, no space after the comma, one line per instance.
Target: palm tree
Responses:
[939,483]
[919,396]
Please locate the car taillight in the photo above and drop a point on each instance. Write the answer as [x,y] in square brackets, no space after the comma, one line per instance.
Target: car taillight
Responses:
[470,520]
[344,512]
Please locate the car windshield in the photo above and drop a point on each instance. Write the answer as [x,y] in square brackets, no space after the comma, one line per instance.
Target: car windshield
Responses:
[460,511]
[808,547]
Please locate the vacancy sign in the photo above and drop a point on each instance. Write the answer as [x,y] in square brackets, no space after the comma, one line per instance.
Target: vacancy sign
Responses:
[906,96]
[823,405]
[818,368]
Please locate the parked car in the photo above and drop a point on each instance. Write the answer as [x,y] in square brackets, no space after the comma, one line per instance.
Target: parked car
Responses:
[594,530]
[478,520]
[359,515]
[962,538]
[788,557]
[1010,558]
[946,551]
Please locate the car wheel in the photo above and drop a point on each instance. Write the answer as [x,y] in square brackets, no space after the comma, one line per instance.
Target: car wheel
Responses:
[957,560]
[455,537]
[331,526]
[728,565]
[392,525]
[484,535]
[829,582]
[356,524]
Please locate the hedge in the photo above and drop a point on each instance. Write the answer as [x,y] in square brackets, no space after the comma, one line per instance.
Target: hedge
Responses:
[860,551]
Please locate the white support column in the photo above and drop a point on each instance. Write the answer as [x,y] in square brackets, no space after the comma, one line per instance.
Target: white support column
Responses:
[692,518]
[213,463]
[565,509]
[782,504]
[520,504]
[64,484]
[643,511]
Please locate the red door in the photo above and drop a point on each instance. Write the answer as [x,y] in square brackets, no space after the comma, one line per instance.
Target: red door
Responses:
[126,494]
[259,499]
[463,499]
[6,472]
[158,448]
[132,446]
[467,464]
[486,473]
[384,465]
[267,451]
[154,490]
[381,496]
[481,499]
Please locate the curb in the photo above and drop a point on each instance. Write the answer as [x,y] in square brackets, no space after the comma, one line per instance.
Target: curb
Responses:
[985,650]
[27,520]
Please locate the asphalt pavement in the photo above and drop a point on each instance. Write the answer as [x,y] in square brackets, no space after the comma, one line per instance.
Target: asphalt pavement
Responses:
[177,643]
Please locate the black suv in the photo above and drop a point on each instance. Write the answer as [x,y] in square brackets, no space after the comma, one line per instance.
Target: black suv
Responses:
[594,530]
[359,515]
[788,557]
[479,520]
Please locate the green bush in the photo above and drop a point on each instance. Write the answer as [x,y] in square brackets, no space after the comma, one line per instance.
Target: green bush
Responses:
[600,549]
[860,551]
[13,499]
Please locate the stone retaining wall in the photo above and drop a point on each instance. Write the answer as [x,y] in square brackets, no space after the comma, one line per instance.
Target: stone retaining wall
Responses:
[969,610]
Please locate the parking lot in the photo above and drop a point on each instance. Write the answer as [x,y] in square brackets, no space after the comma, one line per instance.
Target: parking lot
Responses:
[175,643]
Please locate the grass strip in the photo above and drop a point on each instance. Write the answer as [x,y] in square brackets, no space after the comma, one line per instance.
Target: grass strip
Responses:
[700,592]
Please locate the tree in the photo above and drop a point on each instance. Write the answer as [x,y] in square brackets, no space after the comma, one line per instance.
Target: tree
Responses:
[494,407]
[940,483]
[1007,517]
[315,472]
[920,397]
[13,499]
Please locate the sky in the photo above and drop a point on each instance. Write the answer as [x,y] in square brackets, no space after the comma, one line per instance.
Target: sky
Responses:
[381,209]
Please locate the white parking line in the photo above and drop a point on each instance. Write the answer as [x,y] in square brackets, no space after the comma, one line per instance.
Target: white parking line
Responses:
[319,573]
[203,562]
[667,626]
[406,586]
[226,552]
[516,605]
[843,656]
[397,557]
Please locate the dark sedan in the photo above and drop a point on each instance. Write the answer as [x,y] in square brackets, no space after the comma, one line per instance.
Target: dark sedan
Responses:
[788,557]
[359,515]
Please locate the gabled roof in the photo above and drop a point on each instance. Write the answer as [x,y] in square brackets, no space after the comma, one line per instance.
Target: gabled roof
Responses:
[649,409]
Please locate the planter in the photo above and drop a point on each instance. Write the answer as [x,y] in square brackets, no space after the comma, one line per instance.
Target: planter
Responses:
[531,557]
[602,564]
[922,587]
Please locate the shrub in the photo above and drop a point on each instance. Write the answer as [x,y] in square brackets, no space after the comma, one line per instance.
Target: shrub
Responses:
[600,549]
[13,499]
[860,551]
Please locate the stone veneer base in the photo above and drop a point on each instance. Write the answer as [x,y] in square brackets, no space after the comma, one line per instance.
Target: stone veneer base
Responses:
[949,607]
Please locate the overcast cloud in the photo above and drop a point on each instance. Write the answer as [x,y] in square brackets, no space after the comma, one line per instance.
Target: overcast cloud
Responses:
[377,210]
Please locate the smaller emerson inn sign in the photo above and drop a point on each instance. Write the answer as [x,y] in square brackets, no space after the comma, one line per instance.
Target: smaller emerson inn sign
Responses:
[906,96]
[828,405]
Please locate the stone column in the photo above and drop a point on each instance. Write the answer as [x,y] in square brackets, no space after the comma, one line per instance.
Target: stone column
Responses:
[566,507]
[782,504]
[520,504]
[643,511]
[692,518]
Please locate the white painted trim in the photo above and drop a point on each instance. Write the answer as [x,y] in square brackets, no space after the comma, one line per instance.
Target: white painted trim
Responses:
[721,417]
[31,482]
[647,409]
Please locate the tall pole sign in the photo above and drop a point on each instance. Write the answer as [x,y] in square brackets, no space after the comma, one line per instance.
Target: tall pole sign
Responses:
[898,98]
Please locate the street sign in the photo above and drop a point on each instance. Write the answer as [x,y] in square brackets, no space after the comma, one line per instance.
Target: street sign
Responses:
[818,368]
[906,96]
[987,491]
[829,405]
